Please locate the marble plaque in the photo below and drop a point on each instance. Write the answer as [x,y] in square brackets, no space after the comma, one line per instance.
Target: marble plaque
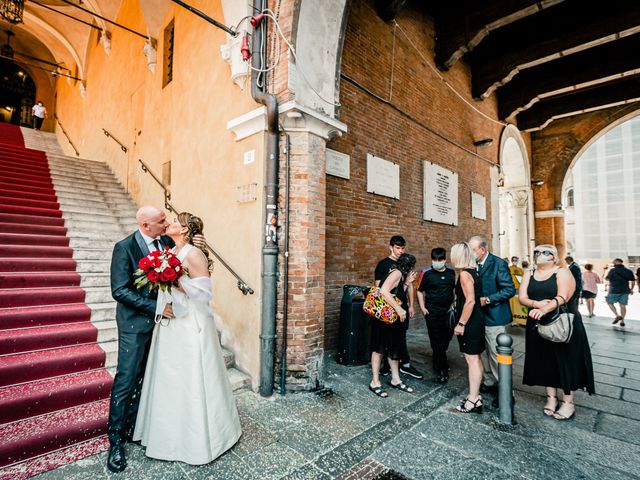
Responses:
[478,206]
[338,164]
[440,194]
[383,177]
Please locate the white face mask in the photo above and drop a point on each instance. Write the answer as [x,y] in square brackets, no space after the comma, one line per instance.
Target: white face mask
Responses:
[544,259]
[438,265]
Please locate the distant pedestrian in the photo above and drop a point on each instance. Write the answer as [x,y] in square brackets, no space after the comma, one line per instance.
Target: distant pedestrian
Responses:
[556,366]
[388,339]
[470,322]
[435,297]
[574,268]
[397,246]
[621,281]
[590,281]
[39,114]
[638,278]
[497,290]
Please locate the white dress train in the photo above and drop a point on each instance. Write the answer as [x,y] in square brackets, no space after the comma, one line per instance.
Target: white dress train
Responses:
[187,409]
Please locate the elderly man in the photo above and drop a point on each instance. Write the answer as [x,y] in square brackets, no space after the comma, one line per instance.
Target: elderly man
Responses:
[497,290]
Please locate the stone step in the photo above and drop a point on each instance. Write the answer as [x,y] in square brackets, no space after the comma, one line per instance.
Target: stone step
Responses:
[238,379]
[102,279]
[98,242]
[97,204]
[111,199]
[86,187]
[97,294]
[80,179]
[104,311]
[105,216]
[107,331]
[112,227]
[83,171]
[93,235]
[56,157]
[111,350]
[91,254]
[93,266]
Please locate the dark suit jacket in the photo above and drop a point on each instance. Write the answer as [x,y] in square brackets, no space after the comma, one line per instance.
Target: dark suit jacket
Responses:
[577,275]
[136,307]
[498,286]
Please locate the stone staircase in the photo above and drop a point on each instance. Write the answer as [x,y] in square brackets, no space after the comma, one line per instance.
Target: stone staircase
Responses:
[58,336]
[97,213]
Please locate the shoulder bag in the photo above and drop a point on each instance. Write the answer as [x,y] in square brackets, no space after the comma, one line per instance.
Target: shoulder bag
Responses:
[560,328]
[376,306]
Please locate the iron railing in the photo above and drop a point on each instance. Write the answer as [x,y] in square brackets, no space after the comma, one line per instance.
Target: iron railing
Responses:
[108,134]
[66,135]
[242,285]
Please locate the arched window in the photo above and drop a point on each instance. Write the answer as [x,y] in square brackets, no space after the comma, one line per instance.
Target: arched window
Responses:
[570,198]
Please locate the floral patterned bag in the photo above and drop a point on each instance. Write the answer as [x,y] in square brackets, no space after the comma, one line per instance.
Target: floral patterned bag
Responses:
[376,306]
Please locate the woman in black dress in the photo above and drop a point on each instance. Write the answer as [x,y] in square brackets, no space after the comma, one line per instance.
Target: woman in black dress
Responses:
[470,326]
[387,339]
[556,366]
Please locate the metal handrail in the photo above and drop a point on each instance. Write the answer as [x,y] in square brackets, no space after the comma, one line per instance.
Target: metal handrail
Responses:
[66,135]
[110,135]
[242,285]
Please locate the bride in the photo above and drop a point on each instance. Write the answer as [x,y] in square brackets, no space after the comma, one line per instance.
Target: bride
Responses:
[187,410]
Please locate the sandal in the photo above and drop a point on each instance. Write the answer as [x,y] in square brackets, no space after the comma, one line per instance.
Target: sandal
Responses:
[549,412]
[617,319]
[476,408]
[561,416]
[379,391]
[402,386]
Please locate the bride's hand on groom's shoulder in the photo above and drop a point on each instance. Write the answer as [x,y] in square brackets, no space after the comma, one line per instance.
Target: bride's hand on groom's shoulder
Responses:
[199,241]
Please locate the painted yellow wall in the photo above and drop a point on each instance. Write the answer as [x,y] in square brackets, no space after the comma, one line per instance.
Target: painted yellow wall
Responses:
[184,123]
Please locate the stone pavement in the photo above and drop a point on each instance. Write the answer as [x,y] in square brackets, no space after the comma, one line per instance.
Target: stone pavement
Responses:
[345,432]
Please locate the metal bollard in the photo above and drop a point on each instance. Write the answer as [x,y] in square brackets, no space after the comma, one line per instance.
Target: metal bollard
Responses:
[505,378]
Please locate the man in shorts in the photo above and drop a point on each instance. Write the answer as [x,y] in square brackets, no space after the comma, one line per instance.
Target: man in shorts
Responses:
[621,281]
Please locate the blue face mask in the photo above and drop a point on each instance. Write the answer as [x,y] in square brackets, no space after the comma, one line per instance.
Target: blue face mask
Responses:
[438,265]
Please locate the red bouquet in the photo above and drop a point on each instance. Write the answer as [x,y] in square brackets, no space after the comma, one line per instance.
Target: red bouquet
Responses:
[160,269]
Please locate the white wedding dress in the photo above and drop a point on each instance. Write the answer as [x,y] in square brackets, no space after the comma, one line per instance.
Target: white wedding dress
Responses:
[187,409]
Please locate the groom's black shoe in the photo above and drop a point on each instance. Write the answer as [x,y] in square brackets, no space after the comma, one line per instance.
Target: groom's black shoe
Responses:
[116,462]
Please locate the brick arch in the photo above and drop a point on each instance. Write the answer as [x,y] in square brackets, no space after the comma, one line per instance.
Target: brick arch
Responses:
[553,152]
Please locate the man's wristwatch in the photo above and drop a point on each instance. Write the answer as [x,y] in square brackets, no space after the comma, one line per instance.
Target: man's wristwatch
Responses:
[462,324]
[487,300]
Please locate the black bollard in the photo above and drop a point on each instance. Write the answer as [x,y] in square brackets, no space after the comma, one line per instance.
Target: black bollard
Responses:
[505,378]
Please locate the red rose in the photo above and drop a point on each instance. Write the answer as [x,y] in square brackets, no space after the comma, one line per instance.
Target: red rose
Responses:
[156,262]
[173,261]
[155,253]
[163,277]
[144,264]
[153,276]
[169,274]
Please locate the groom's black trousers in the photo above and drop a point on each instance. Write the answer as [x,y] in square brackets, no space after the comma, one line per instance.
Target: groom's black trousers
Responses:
[133,350]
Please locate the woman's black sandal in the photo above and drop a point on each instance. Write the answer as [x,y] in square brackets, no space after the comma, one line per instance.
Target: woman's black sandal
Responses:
[379,391]
[402,386]
[477,406]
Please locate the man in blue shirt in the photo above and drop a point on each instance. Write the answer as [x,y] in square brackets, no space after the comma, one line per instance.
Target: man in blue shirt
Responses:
[621,282]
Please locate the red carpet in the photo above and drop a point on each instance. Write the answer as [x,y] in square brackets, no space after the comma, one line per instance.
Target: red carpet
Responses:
[54,389]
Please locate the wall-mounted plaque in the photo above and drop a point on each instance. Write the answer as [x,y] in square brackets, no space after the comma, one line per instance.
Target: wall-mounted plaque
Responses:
[478,206]
[383,177]
[440,194]
[337,164]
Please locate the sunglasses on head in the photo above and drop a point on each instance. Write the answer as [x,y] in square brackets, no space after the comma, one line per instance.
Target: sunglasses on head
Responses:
[543,252]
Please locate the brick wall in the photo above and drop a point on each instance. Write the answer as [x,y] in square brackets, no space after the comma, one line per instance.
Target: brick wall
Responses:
[359,224]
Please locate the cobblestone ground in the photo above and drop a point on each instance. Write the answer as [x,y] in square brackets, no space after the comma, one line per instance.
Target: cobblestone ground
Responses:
[345,432]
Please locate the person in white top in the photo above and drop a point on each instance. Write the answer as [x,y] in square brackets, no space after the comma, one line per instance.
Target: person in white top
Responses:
[39,112]
[187,410]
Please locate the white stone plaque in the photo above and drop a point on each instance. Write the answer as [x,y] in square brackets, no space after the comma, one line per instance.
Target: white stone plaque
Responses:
[440,194]
[383,177]
[478,206]
[338,164]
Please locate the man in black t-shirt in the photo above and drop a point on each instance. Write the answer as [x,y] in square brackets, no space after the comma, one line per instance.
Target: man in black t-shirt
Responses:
[435,296]
[621,282]
[397,246]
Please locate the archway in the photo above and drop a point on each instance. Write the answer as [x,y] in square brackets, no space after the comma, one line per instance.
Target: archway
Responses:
[600,192]
[515,196]
[17,93]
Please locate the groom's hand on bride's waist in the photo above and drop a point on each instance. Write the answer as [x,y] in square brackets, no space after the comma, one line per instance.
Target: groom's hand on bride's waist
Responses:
[168,311]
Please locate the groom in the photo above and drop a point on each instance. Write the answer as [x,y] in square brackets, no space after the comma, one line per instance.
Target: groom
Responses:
[135,319]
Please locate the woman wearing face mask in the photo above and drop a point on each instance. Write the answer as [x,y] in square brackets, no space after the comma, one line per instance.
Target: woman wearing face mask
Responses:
[556,366]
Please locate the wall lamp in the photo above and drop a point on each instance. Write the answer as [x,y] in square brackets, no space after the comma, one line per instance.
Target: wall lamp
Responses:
[537,183]
[483,142]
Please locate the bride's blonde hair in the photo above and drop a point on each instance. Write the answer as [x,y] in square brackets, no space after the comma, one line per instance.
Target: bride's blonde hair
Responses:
[195,226]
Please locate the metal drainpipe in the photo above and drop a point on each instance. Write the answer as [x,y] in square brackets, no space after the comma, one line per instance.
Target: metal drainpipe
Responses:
[270,248]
